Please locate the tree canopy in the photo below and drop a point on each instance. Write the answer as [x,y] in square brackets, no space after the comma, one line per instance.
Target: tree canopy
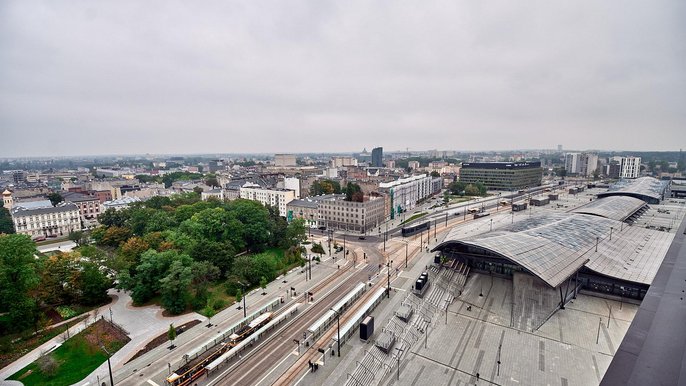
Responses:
[171,249]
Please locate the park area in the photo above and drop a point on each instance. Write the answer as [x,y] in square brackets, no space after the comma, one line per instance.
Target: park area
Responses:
[75,358]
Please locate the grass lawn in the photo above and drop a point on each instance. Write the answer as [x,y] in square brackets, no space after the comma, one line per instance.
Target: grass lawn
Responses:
[414,217]
[76,358]
[13,346]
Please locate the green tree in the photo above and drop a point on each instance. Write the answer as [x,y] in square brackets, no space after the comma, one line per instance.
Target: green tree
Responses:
[471,190]
[112,217]
[92,284]
[115,236]
[55,198]
[6,224]
[295,233]
[457,188]
[211,180]
[220,254]
[18,277]
[263,285]
[318,248]
[239,295]
[174,287]
[79,237]
[171,334]
[353,192]
[435,174]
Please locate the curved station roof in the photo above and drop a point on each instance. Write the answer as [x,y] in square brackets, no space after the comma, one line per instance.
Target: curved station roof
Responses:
[648,189]
[617,208]
[553,246]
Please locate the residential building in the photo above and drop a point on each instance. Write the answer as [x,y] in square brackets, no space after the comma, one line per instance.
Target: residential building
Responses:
[89,207]
[572,163]
[337,213]
[307,209]
[614,169]
[502,175]
[292,183]
[588,163]
[217,194]
[120,204]
[377,157]
[414,165]
[45,220]
[340,161]
[630,167]
[582,164]
[405,192]
[277,198]
[285,160]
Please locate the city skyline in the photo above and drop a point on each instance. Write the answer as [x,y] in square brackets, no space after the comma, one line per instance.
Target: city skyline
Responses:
[132,78]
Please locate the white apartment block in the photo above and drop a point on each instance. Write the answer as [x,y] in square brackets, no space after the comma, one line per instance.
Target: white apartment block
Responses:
[583,164]
[630,167]
[275,197]
[46,220]
[572,163]
[405,192]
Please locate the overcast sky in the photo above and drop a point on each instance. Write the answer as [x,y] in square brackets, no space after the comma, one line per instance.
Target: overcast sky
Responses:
[122,77]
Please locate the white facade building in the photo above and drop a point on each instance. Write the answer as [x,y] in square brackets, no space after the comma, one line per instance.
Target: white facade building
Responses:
[630,167]
[405,192]
[292,183]
[572,163]
[46,220]
[275,197]
[582,164]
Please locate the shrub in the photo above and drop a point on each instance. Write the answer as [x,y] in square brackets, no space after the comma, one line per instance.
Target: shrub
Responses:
[219,304]
[66,312]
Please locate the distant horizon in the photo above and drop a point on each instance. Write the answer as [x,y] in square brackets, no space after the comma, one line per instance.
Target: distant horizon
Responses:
[208,154]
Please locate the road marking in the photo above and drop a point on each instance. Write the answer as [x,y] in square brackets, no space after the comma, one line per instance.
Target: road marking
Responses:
[150,381]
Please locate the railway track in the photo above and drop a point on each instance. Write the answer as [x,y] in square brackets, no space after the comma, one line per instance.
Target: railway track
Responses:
[296,371]
[250,370]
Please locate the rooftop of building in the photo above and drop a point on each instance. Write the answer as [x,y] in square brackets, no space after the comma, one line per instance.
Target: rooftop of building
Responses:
[501,165]
[401,181]
[642,187]
[554,245]
[20,211]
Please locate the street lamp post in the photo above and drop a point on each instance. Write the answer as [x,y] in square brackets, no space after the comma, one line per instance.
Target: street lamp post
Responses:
[385,236]
[344,252]
[406,254]
[389,265]
[109,365]
[245,312]
[338,326]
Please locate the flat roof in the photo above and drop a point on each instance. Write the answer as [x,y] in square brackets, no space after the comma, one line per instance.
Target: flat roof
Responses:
[501,165]
[653,351]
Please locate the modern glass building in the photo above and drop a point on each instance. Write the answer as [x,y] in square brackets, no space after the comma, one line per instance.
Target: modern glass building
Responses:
[502,175]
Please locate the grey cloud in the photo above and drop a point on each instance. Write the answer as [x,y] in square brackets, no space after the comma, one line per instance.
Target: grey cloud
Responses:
[81,77]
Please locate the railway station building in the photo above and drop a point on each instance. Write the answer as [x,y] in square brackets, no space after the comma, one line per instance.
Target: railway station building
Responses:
[612,246]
